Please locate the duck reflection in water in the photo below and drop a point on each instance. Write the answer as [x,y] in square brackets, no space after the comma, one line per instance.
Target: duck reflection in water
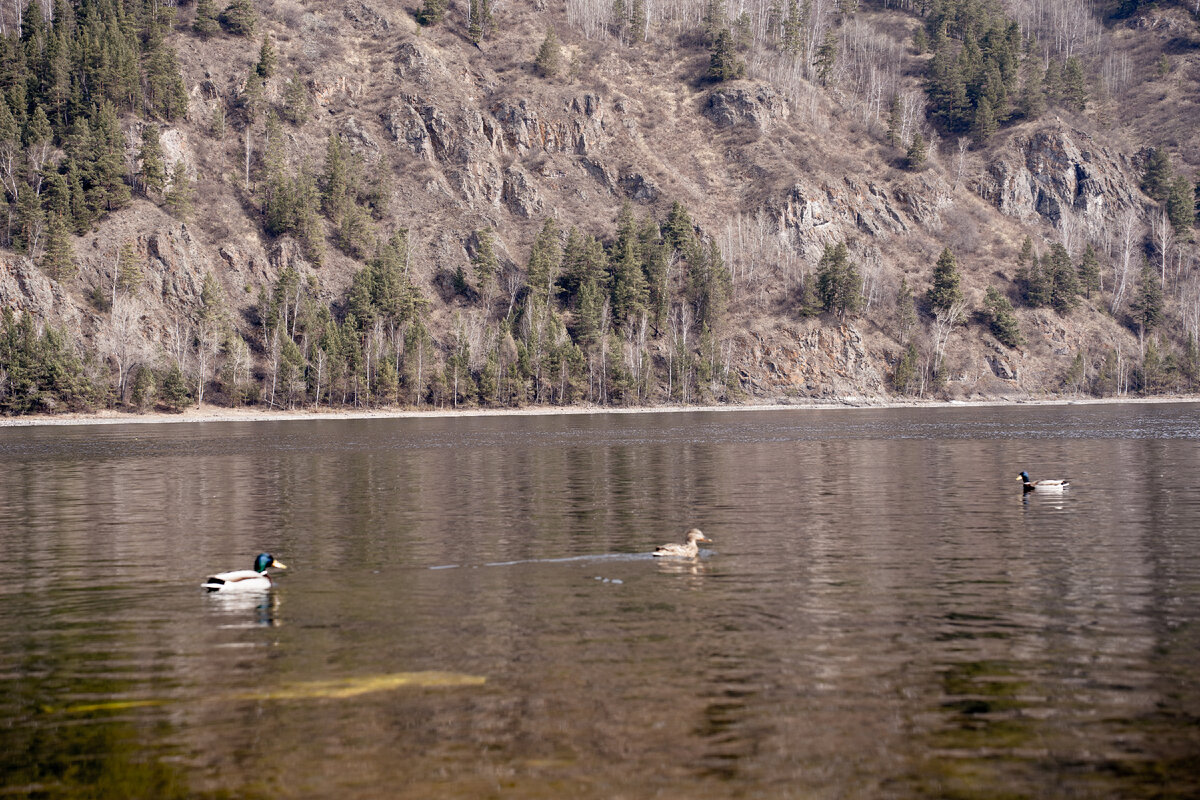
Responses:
[682,566]
[262,607]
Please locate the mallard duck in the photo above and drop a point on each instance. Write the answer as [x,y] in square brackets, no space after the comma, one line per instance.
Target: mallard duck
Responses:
[254,580]
[1045,485]
[688,550]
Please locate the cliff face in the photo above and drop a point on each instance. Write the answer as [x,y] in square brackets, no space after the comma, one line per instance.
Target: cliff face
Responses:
[473,139]
[1058,174]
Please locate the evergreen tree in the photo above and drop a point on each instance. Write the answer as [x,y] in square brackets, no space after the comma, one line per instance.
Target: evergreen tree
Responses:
[1038,284]
[906,311]
[894,122]
[165,95]
[296,103]
[175,388]
[907,370]
[984,125]
[545,258]
[1074,85]
[826,57]
[431,12]
[629,290]
[180,195]
[1156,178]
[484,260]
[1001,319]
[1089,271]
[1147,307]
[914,158]
[548,55]
[1032,101]
[723,63]
[1181,206]
[480,23]
[59,259]
[266,59]
[239,18]
[1064,282]
[945,291]
[205,22]
[129,268]
[839,285]
[153,172]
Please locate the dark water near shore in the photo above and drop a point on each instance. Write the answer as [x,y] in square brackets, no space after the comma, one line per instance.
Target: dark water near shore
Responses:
[471,610]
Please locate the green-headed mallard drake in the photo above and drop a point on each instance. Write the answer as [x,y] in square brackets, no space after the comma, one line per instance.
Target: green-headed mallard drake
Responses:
[1044,485]
[242,580]
[688,550]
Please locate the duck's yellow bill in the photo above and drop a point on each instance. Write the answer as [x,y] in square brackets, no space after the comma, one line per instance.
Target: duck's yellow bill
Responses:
[279,564]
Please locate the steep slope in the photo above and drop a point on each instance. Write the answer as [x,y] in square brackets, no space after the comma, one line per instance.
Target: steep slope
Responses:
[771,168]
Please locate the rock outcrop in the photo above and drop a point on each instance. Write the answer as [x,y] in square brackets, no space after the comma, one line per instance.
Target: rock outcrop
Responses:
[1055,173]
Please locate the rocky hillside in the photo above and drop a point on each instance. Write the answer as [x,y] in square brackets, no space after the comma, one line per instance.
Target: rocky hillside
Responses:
[577,202]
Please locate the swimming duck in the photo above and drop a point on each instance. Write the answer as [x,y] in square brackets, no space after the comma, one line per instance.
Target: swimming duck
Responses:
[1045,485]
[688,550]
[242,580]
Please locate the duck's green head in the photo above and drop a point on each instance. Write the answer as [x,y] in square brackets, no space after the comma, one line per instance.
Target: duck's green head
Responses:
[265,561]
[1024,476]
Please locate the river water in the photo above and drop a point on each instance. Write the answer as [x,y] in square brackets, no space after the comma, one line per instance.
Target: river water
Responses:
[471,609]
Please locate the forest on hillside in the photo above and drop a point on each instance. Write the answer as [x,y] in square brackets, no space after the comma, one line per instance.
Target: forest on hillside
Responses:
[646,313]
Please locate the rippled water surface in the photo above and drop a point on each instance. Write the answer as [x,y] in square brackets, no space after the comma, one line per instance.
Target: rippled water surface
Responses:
[471,609]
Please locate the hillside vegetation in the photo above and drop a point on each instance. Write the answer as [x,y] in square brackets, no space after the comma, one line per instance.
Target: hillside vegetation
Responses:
[613,202]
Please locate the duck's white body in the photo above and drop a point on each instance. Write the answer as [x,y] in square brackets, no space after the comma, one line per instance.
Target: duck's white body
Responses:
[1044,485]
[689,549]
[245,580]
[242,580]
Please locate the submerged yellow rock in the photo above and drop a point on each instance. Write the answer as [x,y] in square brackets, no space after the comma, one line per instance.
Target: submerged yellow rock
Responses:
[352,687]
[313,690]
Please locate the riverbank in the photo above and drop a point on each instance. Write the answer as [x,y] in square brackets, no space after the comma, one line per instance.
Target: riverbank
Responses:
[208,413]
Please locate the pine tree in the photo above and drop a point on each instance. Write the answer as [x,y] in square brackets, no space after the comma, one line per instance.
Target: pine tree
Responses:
[431,12]
[723,63]
[153,172]
[1147,307]
[984,124]
[484,260]
[59,259]
[480,23]
[296,103]
[181,192]
[894,122]
[239,18]
[1001,318]
[129,268]
[1074,85]
[1064,282]
[914,158]
[205,22]
[1156,178]
[266,59]
[1181,207]
[945,291]
[906,311]
[548,55]
[839,285]
[1089,271]
[826,57]
[1038,284]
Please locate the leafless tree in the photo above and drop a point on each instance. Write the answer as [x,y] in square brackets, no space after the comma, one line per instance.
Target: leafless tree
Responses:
[124,341]
[1129,228]
[943,325]
[1164,237]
